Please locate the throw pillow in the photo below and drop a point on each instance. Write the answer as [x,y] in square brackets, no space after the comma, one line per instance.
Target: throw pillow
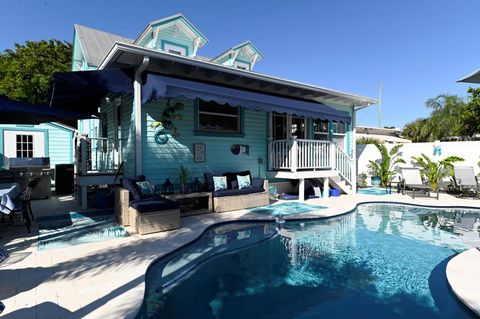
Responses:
[147,189]
[219,183]
[232,176]
[244,181]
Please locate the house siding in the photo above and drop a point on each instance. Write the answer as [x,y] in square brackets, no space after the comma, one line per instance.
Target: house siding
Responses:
[170,35]
[162,161]
[58,141]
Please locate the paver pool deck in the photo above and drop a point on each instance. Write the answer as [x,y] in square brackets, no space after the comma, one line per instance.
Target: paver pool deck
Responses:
[106,279]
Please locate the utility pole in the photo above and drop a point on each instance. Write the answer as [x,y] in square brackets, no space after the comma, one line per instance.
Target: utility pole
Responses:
[380,104]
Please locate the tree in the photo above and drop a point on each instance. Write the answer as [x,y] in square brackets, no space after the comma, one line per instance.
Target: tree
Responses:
[384,168]
[434,171]
[26,71]
[444,120]
[470,118]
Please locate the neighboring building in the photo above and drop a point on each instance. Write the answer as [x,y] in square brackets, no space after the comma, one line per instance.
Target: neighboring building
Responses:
[53,140]
[387,135]
[273,127]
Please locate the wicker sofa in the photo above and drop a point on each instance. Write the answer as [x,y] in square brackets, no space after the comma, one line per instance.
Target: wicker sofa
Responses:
[146,215]
[234,198]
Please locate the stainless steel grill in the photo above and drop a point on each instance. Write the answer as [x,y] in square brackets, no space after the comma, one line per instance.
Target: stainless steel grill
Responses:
[24,170]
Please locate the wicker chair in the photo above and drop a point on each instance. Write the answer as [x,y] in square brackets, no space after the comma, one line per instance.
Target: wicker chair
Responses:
[237,202]
[144,222]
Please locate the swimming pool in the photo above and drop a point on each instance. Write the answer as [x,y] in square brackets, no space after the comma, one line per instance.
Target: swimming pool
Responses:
[380,261]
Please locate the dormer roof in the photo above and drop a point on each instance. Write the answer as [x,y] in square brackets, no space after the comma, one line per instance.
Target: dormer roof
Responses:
[178,19]
[95,44]
[246,46]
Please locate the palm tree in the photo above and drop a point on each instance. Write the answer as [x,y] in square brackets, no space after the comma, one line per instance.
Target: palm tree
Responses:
[434,171]
[384,168]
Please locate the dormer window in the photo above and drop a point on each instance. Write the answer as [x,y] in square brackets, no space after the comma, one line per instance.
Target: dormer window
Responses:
[241,65]
[174,49]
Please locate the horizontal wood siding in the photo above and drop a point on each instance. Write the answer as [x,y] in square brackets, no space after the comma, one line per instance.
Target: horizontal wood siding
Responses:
[170,35]
[162,161]
[128,135]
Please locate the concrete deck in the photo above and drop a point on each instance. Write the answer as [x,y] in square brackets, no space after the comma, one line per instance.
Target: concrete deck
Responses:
[463,274]
[106,279]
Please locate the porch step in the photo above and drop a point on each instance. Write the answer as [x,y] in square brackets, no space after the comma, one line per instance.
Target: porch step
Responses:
[341,183]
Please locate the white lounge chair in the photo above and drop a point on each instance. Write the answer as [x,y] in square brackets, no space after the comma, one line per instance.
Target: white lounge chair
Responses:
[466,180]
[412,179]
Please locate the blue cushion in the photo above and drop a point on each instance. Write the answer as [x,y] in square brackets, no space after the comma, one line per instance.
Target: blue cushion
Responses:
[209,180]
[257,182]
[130,184]
[232,176]
[236,191]
[153,204]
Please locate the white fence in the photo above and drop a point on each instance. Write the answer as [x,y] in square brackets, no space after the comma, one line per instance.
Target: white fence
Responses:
[469,151]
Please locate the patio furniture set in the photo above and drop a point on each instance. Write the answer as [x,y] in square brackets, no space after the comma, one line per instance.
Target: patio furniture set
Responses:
[138,205]
[465,181]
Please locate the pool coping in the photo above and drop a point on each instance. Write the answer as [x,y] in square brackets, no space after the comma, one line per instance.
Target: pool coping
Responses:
[311,216]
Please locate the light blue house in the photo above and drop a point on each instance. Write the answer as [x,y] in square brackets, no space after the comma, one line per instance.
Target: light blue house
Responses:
[217,113]
[53,140]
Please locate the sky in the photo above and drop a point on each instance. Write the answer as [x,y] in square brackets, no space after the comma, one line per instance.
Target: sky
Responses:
[417,49]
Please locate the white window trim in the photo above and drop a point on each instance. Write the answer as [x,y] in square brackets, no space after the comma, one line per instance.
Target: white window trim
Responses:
[240,65]
[167,47]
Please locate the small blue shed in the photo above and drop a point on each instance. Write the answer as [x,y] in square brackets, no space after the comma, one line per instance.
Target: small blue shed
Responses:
[53,140]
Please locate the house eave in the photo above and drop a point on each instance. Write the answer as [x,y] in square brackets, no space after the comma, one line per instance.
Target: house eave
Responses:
[274,84]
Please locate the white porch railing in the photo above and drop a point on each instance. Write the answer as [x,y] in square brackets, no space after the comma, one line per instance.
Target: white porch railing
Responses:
[294,154]
[98,155]
[297,154]
[344,164]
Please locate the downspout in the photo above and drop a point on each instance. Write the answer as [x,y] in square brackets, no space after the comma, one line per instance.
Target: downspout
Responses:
[137,103]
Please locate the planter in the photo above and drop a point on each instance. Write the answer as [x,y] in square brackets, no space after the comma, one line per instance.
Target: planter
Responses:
[376,181]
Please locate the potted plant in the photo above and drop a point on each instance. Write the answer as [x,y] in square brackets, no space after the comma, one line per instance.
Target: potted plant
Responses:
[362,180]
[183,174]
[383,170]
[435,171]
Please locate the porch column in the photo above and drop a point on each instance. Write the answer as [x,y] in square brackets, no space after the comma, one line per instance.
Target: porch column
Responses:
[354,150]
[301,189]
[137,105]
[326,187]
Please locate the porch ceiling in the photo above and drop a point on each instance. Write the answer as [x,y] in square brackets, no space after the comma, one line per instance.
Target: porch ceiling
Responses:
[126,55]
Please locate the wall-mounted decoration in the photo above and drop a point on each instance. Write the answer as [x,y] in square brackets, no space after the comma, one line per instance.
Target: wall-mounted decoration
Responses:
[165,127]
[238,149]
[199,151]
[161,134]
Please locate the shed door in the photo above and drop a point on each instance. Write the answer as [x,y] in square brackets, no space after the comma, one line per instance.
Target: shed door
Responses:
[23,144]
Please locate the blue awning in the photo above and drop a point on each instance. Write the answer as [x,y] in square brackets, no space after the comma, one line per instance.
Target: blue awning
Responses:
[157,86]
[16,112]
[82,91]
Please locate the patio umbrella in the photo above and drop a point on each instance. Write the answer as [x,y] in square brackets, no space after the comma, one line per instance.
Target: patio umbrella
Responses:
[16,112]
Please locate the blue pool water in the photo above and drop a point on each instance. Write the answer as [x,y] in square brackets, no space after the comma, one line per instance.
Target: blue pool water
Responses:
[381,261]
[372,191]
[285,209]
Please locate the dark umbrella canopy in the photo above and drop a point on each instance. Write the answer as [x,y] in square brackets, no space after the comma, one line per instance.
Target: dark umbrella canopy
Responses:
[15,112]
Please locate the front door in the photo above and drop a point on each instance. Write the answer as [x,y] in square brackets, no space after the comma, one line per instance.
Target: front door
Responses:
[285,126]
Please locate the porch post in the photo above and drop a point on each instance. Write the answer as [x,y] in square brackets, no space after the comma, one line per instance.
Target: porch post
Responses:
[294,154]
[137,104]
[326,187]
[301,189]
[354,150]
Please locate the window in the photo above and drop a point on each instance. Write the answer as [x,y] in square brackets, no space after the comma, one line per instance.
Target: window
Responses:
[213,117]
[298,127]
[339,128]
[320,130]
[279,126]
[241,65]
[174,49]
[24,145]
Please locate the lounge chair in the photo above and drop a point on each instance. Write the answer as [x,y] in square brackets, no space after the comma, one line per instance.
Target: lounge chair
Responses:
[466,181]
[411,179]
